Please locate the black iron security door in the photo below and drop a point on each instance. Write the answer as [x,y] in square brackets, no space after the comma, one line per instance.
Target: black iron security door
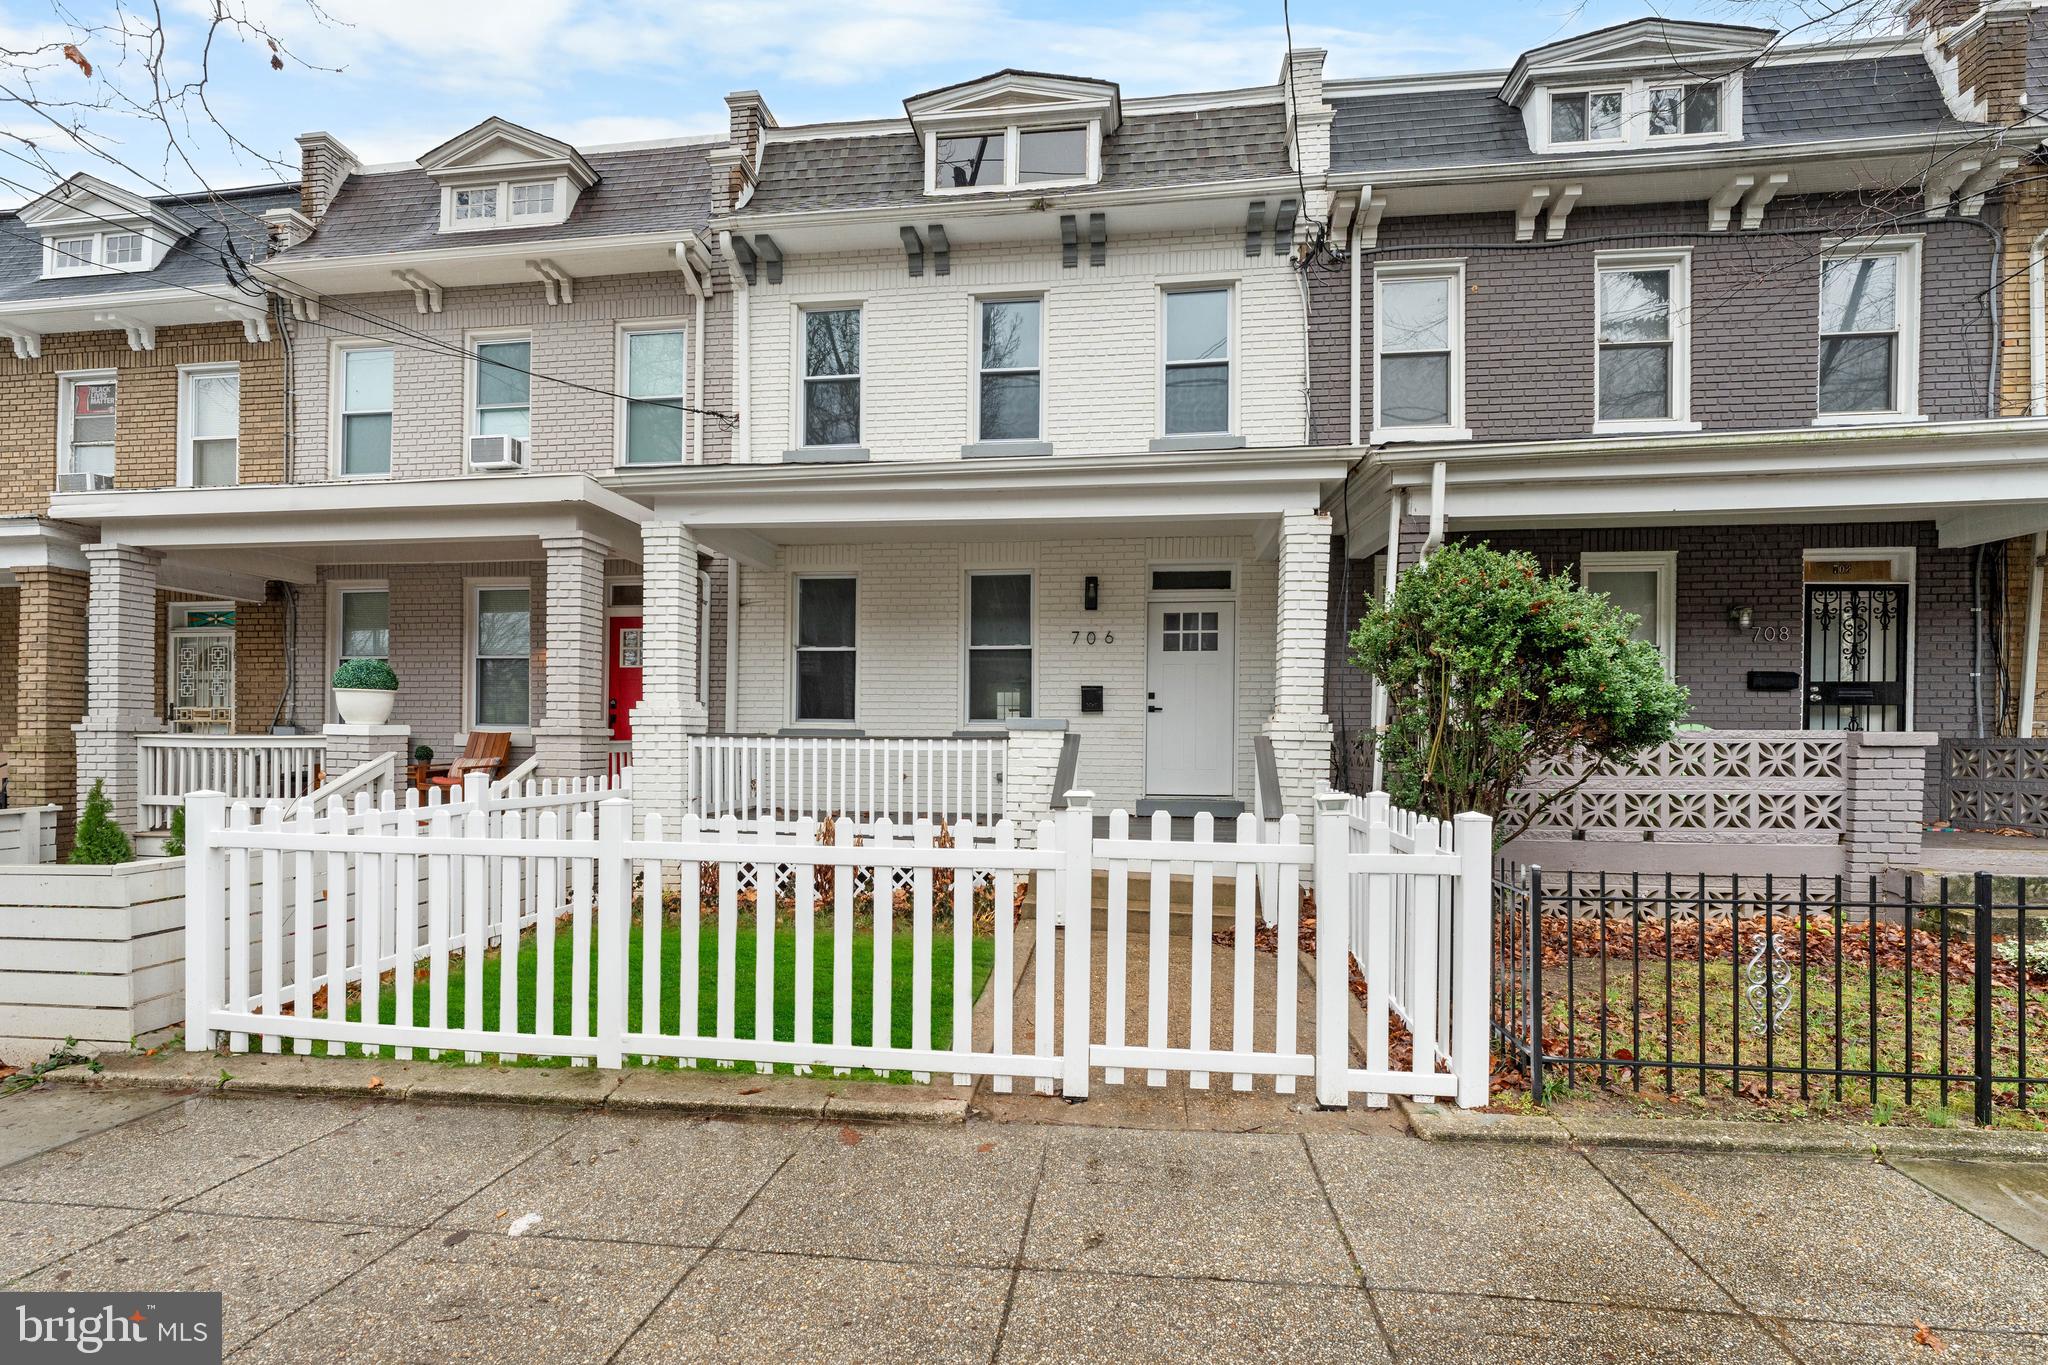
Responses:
[1856,657]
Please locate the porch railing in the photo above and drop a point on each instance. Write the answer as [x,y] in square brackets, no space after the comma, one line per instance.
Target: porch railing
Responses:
[788,777]
[245,767]
[618,758]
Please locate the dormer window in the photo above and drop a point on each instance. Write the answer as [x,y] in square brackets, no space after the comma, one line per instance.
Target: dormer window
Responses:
[1005,158]
[1047,154]
[533,200]
[1014,130]
[93,253]
[1640,114]
[1586,116]
[973,162]
[499,175]
[1681,110]
[476,205]
[122,248]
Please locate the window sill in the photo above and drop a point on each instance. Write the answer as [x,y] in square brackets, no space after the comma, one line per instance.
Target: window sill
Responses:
[1644,428]
[820,729]
[826,455]
[1203,441]
[628,466]
[1869,419]
[999,450]
[1385,436]
[521,738]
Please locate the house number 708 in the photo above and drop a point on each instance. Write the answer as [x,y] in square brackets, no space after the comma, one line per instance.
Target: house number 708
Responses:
[1108,637]
[1771,635]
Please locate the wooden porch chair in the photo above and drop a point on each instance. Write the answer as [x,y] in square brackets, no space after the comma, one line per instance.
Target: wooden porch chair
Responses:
[486,753]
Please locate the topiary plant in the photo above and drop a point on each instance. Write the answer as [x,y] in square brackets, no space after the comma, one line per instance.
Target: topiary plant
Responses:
[423,754]
[366,674]
[100,842]
[1492,669]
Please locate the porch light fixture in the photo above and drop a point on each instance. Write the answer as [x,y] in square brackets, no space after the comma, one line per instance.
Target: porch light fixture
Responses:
[1738,617]
[1091,593]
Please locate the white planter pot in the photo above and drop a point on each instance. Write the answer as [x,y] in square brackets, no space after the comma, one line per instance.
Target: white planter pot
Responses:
[364,705]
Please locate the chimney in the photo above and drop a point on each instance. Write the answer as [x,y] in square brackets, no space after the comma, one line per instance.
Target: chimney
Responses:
[1978,49]
[747,114]
[323,165]
[1309,117]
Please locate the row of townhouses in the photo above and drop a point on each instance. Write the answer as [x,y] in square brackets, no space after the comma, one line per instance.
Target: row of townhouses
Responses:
[1063,430]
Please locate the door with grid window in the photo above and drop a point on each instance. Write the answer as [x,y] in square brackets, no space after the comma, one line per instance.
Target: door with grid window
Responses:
[203,682]
[1191,694]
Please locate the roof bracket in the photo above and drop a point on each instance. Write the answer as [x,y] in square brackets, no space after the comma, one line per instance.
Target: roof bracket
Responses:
[1369,215]
[255,321]
[1758,198]
[1970,198]
[141,335]
[1283,225]
[27,345]
[1721,206]
[1560,210]
[426,295]
[913,249]
[743,252]
[1254,227]
[559,284]
[694,259]
[1070,242]
[1525,216]
[305,307]
[942,250]
[1941,185]
[771,256]
[1098,238]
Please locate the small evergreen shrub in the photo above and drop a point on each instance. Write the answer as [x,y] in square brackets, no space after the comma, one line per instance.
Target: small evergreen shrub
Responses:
[99,841]
[423,754]
[174,842]
[372,674]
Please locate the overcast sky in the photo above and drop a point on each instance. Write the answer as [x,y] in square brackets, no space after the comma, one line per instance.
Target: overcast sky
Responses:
[407,74]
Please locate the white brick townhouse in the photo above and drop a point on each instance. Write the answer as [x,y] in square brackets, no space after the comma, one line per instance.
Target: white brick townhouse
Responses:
[1021,451]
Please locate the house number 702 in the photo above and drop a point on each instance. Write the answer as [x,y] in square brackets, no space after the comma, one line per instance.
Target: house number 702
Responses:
[1108,637]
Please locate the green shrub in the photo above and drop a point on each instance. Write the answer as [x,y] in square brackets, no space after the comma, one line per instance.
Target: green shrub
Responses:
[174,842]
[422,754]
[374,674]
[1493,669]
[99,841]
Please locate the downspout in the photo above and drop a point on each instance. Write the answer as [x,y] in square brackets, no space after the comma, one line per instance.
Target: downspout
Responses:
[2037,337]
[697,372]
[742,447]
[2030,670]
[1977,639]
[1435,539]
[287,700]
[1356,269]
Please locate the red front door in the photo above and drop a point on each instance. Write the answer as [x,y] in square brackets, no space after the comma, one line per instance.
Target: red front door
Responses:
[624,674]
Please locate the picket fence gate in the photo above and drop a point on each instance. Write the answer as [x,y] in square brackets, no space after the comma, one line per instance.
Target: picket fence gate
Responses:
[375,928]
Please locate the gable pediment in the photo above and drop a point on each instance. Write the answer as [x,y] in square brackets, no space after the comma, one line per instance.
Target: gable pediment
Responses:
[1018,95]
[497,146]
[88,201]
[1642,46]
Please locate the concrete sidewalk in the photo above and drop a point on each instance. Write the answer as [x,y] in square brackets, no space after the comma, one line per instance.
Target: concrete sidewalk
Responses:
[379,1231]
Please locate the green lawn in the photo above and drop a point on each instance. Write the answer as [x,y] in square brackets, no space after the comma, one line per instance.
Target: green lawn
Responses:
[901,978]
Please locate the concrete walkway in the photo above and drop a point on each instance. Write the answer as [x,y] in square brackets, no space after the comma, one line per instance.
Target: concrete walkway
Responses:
[380,1231]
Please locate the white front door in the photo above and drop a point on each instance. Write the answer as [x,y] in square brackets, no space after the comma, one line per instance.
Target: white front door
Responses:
[1191,698]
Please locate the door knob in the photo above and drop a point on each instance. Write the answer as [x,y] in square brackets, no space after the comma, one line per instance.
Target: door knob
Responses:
[1150,707]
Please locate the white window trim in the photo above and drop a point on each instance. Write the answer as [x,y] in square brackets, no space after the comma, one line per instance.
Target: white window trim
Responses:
[177,615]
[336,588]
[473,361]
[704,636]
[471,587]
[1154,594]
[1679,262]
[795,605]
[337,397]
[187,463]
[67,380]
[1904,562]
[967,719]
[976,319]
[799,426]
[627,330]
[1905,248]
[56,266]
[1455,429]
[504,218]
[1230,322]
[1663,563]
[1635,113]
[1012,144]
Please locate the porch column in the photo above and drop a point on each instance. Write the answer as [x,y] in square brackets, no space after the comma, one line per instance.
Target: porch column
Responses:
[121,671]
[573,731]
[670,711]
[1300,724]
[49,692]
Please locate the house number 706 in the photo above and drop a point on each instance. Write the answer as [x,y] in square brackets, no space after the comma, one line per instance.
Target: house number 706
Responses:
[1108,637]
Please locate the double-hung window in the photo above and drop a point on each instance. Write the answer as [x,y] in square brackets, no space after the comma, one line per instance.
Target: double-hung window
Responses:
[1645,585]
[504,387]
[1587,116]
[825,649]
[366,375]
[363,624]
[1685,110]
[1418,326]
[831,383]
[1010,390]
[85,444]
[998,646]
[210,425]
[1641,373]
[654,374]
[501,652]
[1869,306]
[1196,385]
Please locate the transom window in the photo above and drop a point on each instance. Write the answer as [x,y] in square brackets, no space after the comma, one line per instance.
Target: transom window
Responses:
[831,386]
[1417,336]
[1004,158]
[1640,376]
[502,657]
[1011,341]
[999,646]
[654,396]
[366,376]
[826,656]
[1869,305]
[211,406]
[504,388]
[1189,632]
[1196,384]
[85,445]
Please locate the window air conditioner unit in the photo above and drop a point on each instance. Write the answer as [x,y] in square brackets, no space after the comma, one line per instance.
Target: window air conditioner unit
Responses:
[497,452]
[83,482]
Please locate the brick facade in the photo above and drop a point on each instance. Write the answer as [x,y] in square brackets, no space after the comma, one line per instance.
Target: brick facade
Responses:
[46,663]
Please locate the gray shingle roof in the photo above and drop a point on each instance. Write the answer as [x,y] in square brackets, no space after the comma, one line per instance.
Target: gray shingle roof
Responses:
[1780,105]
[651,189]
[193,262]
[2037,60]
[1240,142]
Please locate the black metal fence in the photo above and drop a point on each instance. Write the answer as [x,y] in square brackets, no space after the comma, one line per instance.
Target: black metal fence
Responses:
[1905,992]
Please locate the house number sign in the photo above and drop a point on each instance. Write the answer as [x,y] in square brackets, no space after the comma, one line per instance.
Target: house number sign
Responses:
[1093,637]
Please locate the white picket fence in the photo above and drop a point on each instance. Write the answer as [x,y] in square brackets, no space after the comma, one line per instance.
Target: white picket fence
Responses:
[646,944]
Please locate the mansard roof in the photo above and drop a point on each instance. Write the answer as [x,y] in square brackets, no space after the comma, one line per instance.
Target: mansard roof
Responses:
[208,223]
